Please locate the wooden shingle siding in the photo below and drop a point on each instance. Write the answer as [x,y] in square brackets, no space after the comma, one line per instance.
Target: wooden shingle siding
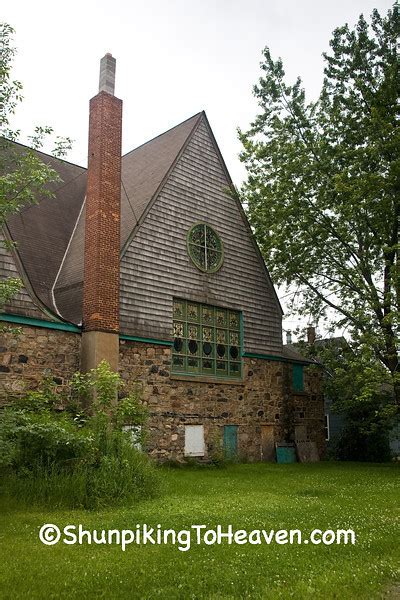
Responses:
[21,303]
[156,266]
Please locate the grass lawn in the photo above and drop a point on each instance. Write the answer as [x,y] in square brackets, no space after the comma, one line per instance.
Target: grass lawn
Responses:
[362,497]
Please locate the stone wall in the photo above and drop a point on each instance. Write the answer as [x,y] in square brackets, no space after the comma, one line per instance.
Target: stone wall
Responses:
[263,398]
[27,356]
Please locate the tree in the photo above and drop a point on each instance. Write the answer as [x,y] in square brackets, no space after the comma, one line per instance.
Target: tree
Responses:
[24,178]
[323,185]
[358,387]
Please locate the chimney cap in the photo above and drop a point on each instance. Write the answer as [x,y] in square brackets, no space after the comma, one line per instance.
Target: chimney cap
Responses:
[107,74]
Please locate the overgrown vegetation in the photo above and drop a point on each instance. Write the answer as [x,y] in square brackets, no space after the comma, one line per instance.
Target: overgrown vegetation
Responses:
[359,388]
[70,449]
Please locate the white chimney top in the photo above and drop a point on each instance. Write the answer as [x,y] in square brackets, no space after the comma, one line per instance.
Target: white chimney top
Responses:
[107,74]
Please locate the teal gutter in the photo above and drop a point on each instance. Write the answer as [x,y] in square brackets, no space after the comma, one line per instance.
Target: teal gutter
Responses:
[20,320]
[274,357]
[134,338]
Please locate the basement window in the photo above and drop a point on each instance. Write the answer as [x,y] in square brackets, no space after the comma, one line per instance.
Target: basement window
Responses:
[207,340]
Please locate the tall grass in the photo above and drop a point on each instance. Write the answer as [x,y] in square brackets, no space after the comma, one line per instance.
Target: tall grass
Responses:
[76,459]
[115,481]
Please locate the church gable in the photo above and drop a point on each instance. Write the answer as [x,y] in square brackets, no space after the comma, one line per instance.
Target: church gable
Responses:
[156,266]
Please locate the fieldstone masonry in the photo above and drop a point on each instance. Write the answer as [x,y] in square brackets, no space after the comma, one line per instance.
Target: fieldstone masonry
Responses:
[263,398]
[26,356]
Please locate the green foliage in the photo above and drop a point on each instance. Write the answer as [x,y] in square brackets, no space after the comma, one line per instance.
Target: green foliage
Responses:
[49,441]
[365,436]
[323,185]
[359,388]
[24,177]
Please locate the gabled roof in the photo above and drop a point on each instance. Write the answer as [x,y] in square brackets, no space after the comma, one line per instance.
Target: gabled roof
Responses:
[50,235]
[42,231]
[291,352]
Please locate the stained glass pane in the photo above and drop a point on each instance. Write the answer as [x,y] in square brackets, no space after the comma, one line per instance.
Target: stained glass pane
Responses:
[197,235]
[222,367]
[198,255]
[193,364]
[234,338]
[212,239]
[234,320]
[178,330]
[207,314]
[221,336]
[207,334]
[234,369]
[177,361]
[221,317]
[193,312]
[193,332]
[179,309]
[207,364]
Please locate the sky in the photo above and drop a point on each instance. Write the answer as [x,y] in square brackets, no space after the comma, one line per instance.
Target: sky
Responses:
[174,59]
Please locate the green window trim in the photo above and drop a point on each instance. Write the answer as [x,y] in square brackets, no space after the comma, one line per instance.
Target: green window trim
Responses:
[205,248]
[298,378]
[207,342]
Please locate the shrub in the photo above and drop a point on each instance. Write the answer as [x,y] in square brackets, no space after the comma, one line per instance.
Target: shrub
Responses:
[75,457]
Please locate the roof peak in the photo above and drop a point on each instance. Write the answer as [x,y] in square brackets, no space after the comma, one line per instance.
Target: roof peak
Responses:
[196,115]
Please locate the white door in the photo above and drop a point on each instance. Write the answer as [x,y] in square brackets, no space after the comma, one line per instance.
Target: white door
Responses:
[194,440]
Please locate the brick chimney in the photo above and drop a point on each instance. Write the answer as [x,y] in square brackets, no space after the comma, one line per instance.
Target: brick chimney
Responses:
[100,339]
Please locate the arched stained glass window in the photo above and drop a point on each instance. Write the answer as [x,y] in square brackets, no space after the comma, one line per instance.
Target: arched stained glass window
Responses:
[205,248]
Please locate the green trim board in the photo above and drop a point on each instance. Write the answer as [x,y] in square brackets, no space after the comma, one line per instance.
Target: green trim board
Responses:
[20,320]
[275,357]
[134,338]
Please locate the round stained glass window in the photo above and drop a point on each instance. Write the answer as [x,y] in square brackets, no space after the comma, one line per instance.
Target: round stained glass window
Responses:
[205,248]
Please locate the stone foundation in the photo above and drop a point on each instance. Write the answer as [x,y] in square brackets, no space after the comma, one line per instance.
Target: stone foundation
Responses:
[264,397]
[27,356]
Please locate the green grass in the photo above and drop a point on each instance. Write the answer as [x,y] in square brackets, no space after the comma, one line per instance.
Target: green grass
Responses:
[326,496]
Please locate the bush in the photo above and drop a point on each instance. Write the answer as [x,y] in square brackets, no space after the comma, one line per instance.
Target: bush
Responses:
[74,458]
[365,436]
[355,446]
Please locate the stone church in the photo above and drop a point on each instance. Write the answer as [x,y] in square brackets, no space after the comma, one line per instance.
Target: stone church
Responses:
[148,261]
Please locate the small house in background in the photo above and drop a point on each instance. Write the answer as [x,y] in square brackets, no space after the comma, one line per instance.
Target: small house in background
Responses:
[147,260]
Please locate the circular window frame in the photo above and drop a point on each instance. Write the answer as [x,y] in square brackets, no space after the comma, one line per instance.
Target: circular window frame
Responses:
[188,242]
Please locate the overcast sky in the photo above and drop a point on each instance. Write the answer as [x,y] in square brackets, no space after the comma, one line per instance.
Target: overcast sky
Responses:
[174,58]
